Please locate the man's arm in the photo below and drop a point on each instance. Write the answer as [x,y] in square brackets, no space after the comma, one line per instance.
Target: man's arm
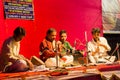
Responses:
[46,50]
[104,44]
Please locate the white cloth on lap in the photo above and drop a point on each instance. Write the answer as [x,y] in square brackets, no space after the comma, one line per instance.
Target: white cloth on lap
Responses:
[69,59]
[51,62]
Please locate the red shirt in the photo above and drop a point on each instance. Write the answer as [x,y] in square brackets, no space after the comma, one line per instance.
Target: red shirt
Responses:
[47,49]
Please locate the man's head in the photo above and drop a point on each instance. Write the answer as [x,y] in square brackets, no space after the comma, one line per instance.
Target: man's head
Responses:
[63,35]
[95,33]
[51,34]
[19,33]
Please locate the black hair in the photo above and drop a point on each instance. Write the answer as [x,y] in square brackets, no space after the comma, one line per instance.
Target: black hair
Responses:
[62,31]
[19,31]
[50,30]
[95,30]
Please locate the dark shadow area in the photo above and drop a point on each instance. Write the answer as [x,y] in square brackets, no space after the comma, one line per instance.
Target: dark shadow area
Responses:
[113,39]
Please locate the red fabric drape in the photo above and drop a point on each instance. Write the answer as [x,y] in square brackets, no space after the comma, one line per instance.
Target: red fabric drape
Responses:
[75,16]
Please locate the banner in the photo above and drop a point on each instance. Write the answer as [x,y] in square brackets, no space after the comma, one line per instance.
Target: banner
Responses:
[18,9]
[111,16]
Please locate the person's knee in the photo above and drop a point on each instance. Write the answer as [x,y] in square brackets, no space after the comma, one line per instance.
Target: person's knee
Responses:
[23,67]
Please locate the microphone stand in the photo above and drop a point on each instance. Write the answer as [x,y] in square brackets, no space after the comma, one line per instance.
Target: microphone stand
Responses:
[55,49]
[86,64]
[118,51]
[86,58]
[56,56]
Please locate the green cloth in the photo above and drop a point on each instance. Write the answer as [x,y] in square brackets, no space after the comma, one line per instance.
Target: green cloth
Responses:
[66,47]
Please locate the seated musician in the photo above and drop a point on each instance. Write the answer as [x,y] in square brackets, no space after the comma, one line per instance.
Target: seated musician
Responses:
[48,48]
[10,59]
[98,48]
[65,48]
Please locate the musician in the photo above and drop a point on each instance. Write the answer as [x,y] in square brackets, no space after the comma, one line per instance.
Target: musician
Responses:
[98,48]
[65,48]
[48,48]
[10,59]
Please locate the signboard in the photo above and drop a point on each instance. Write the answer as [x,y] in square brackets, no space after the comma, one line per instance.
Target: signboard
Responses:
[18,9]
[111,16]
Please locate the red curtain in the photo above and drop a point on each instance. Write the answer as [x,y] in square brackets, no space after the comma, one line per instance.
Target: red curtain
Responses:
[74,16]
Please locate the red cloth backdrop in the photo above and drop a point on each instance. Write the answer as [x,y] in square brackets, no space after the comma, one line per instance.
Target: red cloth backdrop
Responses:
[75,16]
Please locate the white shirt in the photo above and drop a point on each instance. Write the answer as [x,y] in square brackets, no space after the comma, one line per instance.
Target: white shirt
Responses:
[92,46]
